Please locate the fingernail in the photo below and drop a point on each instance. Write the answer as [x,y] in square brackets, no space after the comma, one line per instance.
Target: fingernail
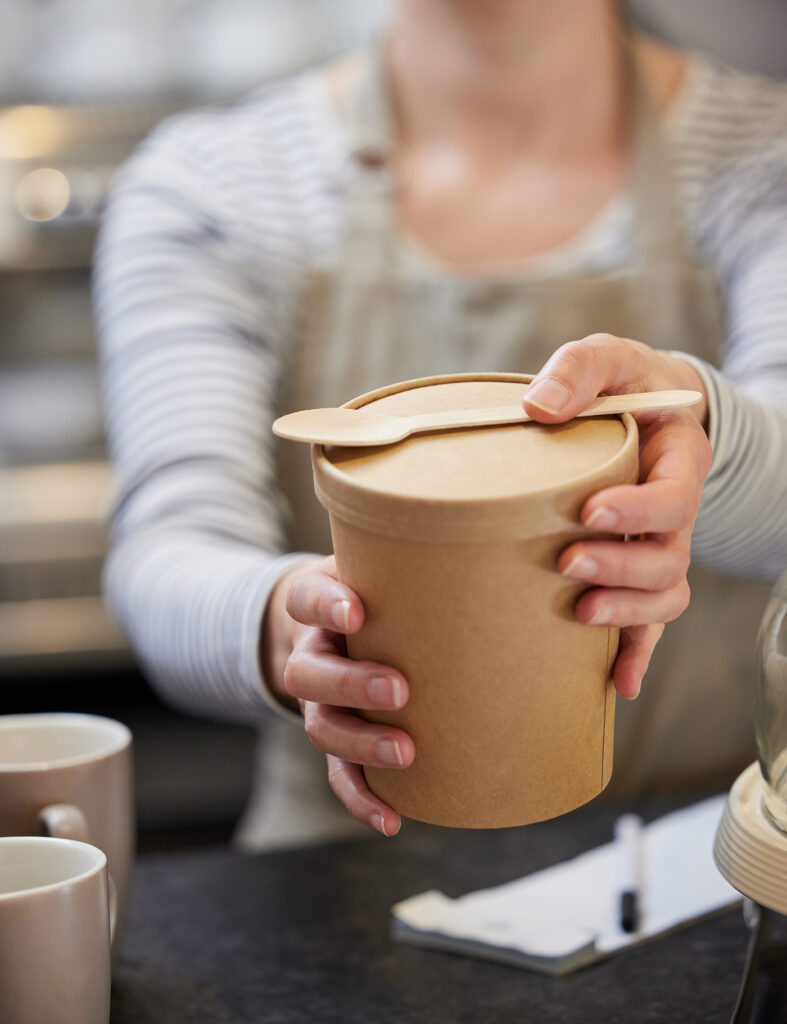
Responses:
[548,394]
[581,568]
[378,822]
[600,616]
[602,519]
[385,691]
[389,753]
[341,615]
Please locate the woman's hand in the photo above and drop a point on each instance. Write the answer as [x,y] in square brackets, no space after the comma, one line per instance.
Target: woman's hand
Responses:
[309,614]
[640,585]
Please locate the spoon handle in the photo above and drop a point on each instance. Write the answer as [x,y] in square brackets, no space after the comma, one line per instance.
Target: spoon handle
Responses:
[604,406]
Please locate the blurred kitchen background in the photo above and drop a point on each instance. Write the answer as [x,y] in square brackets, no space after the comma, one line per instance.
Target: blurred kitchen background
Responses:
[81,82]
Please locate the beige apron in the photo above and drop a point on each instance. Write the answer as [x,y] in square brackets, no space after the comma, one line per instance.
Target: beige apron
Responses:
[374,316]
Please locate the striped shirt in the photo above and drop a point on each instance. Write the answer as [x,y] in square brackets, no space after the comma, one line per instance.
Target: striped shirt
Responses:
[211,230]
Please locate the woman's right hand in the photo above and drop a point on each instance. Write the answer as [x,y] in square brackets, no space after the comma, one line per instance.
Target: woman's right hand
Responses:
[330,688]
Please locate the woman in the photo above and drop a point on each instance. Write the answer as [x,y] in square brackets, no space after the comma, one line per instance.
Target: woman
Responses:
[491,183]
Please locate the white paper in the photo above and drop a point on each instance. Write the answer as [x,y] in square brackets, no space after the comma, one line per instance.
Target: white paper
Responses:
[559,911]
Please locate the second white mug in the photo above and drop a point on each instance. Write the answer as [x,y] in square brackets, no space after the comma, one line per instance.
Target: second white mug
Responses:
[54,932]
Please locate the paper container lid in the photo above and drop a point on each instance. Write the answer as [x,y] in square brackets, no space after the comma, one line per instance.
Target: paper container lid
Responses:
[478,484]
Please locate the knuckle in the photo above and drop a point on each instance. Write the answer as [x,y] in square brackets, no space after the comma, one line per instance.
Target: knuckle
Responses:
[344,683]
[593,353]
[680,601]
[351,747]
[291,671]
[637,520]
[297,593]
[598,339]
[676,577]
[291,597]
[312,723]
[301,604]
[569,363]
[671,577]
[577,353]
[336,774]
[688,509]
[675,565]
[683,560]
[677,509]
[360,752]
[324,607]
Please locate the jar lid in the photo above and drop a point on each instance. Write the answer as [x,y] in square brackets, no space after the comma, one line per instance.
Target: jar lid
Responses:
[481,483]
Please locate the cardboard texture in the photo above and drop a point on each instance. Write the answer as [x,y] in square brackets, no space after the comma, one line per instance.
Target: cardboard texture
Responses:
[450,539]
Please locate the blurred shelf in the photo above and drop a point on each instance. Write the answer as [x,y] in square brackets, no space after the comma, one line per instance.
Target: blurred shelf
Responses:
[58,635]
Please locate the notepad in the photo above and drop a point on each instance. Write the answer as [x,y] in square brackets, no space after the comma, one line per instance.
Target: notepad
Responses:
[568,915]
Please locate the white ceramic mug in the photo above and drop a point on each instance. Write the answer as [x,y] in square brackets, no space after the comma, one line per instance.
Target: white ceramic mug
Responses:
[55,930]
[70,776]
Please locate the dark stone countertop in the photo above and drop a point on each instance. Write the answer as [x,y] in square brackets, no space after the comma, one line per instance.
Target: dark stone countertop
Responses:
[221,937]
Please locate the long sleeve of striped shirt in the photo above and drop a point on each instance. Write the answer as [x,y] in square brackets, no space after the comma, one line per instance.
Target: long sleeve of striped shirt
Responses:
[200,264]
[188,373]
[742,526]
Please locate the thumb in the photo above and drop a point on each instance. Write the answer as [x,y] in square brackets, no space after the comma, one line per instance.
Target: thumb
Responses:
[580,371]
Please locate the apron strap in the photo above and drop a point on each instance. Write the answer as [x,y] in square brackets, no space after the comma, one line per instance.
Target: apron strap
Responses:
[657,230]
[365,109]
[366,115]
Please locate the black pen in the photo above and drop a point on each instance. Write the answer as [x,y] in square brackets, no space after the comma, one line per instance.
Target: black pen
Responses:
[628,836]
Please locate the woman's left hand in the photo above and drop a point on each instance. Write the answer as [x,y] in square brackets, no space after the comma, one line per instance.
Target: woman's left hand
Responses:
[639,585]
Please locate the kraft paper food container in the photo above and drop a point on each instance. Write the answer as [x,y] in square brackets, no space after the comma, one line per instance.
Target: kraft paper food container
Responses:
[450,539]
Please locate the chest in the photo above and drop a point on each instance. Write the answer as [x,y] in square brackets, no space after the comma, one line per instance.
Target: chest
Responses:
[469,214]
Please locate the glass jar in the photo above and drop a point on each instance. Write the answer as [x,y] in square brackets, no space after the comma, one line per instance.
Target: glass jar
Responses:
[771,704]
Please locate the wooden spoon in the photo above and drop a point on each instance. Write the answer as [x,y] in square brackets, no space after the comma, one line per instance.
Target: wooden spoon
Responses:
[363,427]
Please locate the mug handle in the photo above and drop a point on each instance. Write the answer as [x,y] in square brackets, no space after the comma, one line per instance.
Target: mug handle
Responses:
[63,821]
[66,821]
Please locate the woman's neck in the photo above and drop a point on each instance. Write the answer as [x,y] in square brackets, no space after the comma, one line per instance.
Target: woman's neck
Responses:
[504,74]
